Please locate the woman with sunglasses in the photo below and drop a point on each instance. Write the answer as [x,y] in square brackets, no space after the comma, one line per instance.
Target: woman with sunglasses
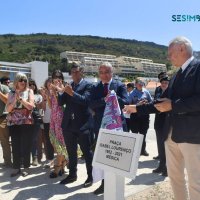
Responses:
[55,133]
[19,120]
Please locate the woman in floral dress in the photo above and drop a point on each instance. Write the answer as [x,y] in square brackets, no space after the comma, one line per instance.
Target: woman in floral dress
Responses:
[55,132]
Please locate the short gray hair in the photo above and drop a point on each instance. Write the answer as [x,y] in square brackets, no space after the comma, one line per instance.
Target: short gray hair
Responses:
[106,64]
[183,40]
[18,77]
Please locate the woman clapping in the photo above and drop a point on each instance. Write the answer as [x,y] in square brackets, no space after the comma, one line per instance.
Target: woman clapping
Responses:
[19,106]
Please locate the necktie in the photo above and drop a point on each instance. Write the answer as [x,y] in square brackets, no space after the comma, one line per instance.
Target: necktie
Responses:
[175,85]
[105,89]
[75,86]
[177,76]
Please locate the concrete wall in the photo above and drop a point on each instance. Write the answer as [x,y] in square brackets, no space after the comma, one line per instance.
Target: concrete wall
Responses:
[39,72]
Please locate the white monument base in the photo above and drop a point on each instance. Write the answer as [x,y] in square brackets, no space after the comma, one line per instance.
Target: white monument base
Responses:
[113,186]
[117,153]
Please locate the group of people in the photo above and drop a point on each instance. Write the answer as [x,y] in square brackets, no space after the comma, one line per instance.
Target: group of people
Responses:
[70,114]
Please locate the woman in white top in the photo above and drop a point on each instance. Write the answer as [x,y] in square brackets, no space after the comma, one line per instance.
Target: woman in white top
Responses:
[45,92]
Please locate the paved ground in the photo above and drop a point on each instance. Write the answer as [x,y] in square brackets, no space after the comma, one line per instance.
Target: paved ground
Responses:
[39,186]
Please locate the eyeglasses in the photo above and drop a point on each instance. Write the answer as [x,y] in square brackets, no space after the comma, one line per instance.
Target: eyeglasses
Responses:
[23,80]
[31,84]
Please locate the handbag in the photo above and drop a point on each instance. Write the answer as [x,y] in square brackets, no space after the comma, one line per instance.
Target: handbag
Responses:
[19,116]
[37,116]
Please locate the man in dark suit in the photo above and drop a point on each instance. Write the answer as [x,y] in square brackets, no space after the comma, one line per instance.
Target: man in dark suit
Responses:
[160,75]
[161,92]
[146,109]
[76,123]
[157,91]
[182,125]
[97,100]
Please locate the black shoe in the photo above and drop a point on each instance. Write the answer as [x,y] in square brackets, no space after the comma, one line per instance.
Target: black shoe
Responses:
[53,174]
[156,158]
[100,189]
[69,179]
[164,173]
[25,172]
[88,182]
[15,173]
[144,153]
[158,170]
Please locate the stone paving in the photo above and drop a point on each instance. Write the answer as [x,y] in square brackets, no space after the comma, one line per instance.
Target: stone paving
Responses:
[38,185]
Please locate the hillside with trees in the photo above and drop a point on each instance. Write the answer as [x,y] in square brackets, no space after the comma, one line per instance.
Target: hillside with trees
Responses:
[47,47]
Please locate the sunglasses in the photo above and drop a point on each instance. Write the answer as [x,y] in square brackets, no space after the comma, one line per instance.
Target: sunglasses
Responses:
[23,80]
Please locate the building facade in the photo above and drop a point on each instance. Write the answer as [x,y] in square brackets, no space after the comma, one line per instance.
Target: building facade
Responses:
[36,70]
[123,65]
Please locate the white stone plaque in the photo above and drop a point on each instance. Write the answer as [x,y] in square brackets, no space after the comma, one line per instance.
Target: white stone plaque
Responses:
[118,152]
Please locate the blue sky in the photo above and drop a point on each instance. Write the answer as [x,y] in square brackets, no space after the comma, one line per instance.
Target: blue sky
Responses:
[149,20]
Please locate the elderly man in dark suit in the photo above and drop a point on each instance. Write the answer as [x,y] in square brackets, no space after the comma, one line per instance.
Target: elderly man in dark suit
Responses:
[181,130]
[97,99]
[76,123]
[182,125]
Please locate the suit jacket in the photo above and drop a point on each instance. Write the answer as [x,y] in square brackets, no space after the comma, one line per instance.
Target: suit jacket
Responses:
[150,108]
[76,116]
[184,119]
[97,103]
[159,117]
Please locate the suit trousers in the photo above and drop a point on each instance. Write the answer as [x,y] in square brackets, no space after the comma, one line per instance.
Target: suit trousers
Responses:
[180,156]
[161,148]
[4,138]
[140,124]
[72,139]
[21,140]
